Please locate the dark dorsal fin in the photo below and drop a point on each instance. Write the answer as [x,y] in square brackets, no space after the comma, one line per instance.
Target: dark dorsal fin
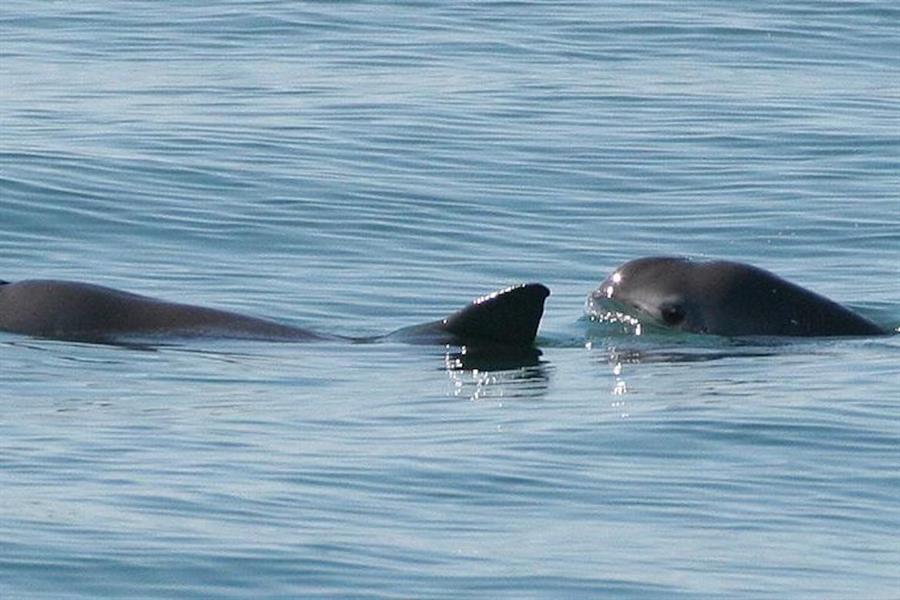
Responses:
[510,316]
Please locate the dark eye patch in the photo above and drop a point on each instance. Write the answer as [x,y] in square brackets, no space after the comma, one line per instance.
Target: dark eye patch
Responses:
[672,314]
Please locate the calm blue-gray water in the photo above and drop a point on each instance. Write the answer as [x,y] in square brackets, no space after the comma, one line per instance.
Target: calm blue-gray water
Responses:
[355,167]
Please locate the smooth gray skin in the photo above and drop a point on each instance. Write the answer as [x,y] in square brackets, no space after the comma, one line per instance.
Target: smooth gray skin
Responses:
[723,298]
[82,311]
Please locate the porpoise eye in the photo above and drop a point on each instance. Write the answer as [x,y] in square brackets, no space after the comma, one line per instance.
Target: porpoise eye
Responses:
[672,314]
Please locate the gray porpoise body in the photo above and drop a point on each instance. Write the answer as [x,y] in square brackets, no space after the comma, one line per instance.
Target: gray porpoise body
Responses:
[723,298]
[82,311]
[68,309]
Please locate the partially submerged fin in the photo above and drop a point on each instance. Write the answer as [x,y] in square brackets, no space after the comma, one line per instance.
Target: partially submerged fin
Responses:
[510,316]
[507,317]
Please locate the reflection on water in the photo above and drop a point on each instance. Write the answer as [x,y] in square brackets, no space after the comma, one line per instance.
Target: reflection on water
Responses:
[620,356]
[617,357]
[493,358]
[484,373]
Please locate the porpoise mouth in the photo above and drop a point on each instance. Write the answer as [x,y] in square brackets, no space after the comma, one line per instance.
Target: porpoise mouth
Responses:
[602,302]
[600,308]
[603,307]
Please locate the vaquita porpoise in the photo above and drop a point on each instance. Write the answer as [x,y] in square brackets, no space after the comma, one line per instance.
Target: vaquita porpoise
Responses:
[86,312]
[722,298]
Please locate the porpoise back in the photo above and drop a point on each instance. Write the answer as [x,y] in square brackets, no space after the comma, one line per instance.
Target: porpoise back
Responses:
[83,311]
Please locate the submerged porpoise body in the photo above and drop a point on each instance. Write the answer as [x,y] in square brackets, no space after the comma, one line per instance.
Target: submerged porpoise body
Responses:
[82,311]
[722,298]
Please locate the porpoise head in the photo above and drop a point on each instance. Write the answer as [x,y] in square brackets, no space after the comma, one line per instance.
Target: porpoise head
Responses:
[720,297]
[654,290]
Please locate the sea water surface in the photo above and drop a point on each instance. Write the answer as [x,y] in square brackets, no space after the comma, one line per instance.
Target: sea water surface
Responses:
[356,167]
